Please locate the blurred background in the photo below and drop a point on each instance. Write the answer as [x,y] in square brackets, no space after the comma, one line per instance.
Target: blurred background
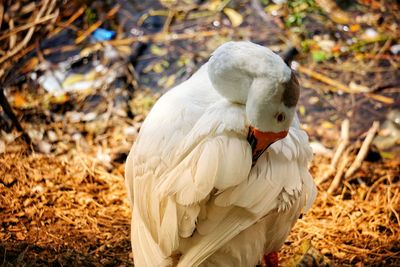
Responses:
[77,78]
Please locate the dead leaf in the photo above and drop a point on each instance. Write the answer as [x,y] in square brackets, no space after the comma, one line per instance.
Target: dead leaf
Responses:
[355,27]
[157,67]
[214,5]
[20,101]
[170,81]
[333,11]
[272,8]
[327,125]
[235,18]
[158,51]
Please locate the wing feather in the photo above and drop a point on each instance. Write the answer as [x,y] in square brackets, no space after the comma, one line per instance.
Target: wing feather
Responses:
[170,179]
[198,176]
[220,162]
[276,184]
[205,245]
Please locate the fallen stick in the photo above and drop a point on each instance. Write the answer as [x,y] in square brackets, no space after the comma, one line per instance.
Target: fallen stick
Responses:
[357,162]
[336,85]
[339,174]
[343,143]
[363,150]
[380,98]
[322,78]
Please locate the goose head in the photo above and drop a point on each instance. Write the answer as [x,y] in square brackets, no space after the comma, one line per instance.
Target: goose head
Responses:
[254,76]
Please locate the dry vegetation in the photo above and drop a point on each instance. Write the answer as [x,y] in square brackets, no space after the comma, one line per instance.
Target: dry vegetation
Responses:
[62,199]
[65,211]
[70,210]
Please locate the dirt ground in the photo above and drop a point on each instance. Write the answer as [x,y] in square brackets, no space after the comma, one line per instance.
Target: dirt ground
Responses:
[63,200]
[71,211]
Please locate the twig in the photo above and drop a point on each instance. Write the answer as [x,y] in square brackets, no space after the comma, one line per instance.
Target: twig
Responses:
[76,15]
[168,21]
[343,143]
[13,30]
[1,14]
[374,185]
[13,37]
[338,85]
[151,13]
[51,8]
[381,98]
[339,174]
[363,150]
[28,36]
[357,162]
[381,56]
[322,78]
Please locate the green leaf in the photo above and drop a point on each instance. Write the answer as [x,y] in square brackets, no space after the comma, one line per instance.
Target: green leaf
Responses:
[319,56]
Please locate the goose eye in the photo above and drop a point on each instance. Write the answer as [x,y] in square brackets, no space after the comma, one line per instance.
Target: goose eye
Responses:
[280,117]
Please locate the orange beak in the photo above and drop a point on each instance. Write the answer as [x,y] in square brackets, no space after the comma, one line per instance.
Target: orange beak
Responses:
[260,141]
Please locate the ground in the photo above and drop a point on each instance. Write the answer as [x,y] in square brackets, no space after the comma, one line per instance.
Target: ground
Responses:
[63,200]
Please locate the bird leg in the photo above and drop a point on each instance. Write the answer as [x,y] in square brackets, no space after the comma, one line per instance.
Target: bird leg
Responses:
[271,259]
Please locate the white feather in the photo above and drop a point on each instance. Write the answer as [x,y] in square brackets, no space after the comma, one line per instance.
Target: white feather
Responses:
[190,178]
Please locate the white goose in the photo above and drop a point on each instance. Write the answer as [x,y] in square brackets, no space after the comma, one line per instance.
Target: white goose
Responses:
[203,192]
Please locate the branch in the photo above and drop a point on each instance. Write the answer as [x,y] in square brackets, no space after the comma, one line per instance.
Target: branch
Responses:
[339,174]
[363,150]
[343,143]
[325,79]
[357,162]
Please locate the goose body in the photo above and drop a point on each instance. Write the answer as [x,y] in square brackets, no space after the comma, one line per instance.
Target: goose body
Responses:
[201,194]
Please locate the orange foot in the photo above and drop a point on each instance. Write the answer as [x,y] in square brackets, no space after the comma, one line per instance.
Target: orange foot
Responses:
[271,259]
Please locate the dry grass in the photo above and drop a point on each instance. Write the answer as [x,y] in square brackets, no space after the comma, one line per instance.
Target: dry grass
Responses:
[69,210]
[64,210]
[360,225]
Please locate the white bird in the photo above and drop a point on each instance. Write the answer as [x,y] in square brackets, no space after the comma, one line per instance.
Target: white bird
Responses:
[203,190]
